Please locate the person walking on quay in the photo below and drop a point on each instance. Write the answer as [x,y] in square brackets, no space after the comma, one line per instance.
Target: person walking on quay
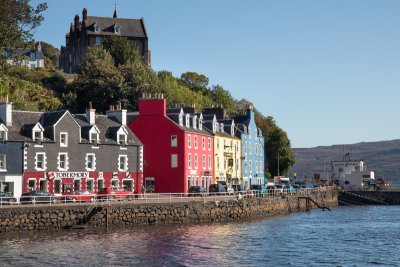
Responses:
[143,191]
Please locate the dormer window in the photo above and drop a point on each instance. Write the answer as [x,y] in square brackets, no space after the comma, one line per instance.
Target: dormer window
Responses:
[222,127]
[94,136]
[187,120]
[37,133]
[181,118]
[38,136]
[32,56]
[214,126]
[194,122]
[97,27]
[117,28]
[232,129]
[122,136]
[201,124]
[3,133]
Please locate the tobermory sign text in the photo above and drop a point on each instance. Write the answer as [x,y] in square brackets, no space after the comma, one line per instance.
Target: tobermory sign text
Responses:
[71,174]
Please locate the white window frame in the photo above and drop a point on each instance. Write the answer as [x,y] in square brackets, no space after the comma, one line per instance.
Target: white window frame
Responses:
[4,132]
[117,28]
[97,40]
[65,143]
[93,162]
[92,181]
[44,162]
[3,161]
[189,141]
[194,122]
[196,161]
[209,144]
[187,120]
[195,141]
[174,140]
[256,166]
[209,162]
[125,167]
[204,162]
[174,160]
[189,161]
[97,27]
[66,163]
[250,166]
[203,143]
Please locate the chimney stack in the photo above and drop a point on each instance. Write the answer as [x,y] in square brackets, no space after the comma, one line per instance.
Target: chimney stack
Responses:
[118,113]
[91,114]
[5,110]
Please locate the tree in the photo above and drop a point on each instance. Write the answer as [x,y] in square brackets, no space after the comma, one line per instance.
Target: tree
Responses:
[121,49]
[17,20]
[99,81]
[50,53]
[223,97]
[195,81]
[278,151]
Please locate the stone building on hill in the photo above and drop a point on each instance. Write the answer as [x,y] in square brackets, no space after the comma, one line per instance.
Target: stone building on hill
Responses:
[91,30]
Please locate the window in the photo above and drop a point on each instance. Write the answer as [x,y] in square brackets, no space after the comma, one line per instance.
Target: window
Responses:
[94,138]
[3,136]
[209,162]
[40,161]
[121,139]
[189,141]
[261,168]
[250,166]
[245,166]
[237,164]
[187,120]
[117,28]
[195,141]
[245,147]
[209,143]
[260,150]
[188,180]
[256,149]
[89,185]
[174,161]
[174,141]
[62,161]
[90,162]
[32,56]
[195,161]
[32,184]
[38,136]
[249,132]
[122,163]
[249,146]
[256,166]
[217,143]
[217,163]
[97,27]
[203,142]
[3,163]
[194,122]
[63,139]
[98,40]
[204,162]
[189,161]
[201,124]
[115,183]
[197,180]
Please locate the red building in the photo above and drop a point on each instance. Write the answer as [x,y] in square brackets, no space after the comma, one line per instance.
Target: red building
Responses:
[178,151]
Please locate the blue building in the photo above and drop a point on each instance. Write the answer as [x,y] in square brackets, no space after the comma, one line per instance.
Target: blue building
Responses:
[252,149]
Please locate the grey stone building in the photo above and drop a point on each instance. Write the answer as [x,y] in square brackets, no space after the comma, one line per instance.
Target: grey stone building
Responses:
[91,31]
[60,152]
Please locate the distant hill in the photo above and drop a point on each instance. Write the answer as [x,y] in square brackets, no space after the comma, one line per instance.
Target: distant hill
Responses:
[381,157]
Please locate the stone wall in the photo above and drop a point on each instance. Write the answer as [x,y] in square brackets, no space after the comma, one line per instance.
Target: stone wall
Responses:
[117,214]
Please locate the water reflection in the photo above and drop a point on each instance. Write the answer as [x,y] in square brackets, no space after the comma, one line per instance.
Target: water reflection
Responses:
[345,236]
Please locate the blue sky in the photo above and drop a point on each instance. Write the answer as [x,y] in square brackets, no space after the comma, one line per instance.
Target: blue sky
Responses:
[327,71]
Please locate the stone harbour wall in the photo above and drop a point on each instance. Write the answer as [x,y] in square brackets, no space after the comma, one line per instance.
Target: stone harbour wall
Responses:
[128,214]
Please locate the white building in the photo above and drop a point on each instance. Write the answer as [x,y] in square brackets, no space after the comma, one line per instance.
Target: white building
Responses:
[351,174]
[27,57]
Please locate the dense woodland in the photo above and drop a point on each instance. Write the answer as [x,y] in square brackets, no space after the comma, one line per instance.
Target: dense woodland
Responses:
[111,73]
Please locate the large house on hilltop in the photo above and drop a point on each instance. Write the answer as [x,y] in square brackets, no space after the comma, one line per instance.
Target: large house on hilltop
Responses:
[91,31]
[28,57]
[60,152]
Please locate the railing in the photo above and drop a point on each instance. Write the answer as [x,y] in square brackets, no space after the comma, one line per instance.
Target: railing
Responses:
[120,199]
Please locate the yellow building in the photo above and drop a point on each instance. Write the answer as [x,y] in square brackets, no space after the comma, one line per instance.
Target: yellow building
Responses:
[227,150]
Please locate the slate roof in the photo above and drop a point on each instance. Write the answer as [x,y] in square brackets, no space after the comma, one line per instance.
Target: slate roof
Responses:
[27,52]
[174,117]
[128,27]
[107,127]
[22,121]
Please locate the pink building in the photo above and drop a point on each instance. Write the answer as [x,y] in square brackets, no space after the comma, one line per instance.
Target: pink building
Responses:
[178,151]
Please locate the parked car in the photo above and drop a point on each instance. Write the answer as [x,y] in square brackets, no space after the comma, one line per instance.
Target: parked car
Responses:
[197,191]
[290,189]
[7,198]
[296,187]
[37,197]
[79,196]
[258,189]
[280,188]
[271,189]
[217,189]
[249,193]
[114,193]
[236,188]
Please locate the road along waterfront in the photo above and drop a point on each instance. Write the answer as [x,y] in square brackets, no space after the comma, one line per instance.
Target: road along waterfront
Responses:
[345,236]
[125,213]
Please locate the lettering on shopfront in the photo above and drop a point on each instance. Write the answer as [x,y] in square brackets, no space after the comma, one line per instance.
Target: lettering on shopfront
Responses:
[77,175]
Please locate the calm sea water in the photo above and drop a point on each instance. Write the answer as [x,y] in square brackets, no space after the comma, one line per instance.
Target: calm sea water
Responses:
[350,236]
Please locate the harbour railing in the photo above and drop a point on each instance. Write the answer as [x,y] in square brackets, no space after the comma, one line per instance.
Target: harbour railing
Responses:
[151,198]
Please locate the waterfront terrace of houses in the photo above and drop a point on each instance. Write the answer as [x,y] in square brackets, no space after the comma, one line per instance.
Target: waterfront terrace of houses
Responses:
[61,153]
[227,146]
[252,148]
[179,151]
